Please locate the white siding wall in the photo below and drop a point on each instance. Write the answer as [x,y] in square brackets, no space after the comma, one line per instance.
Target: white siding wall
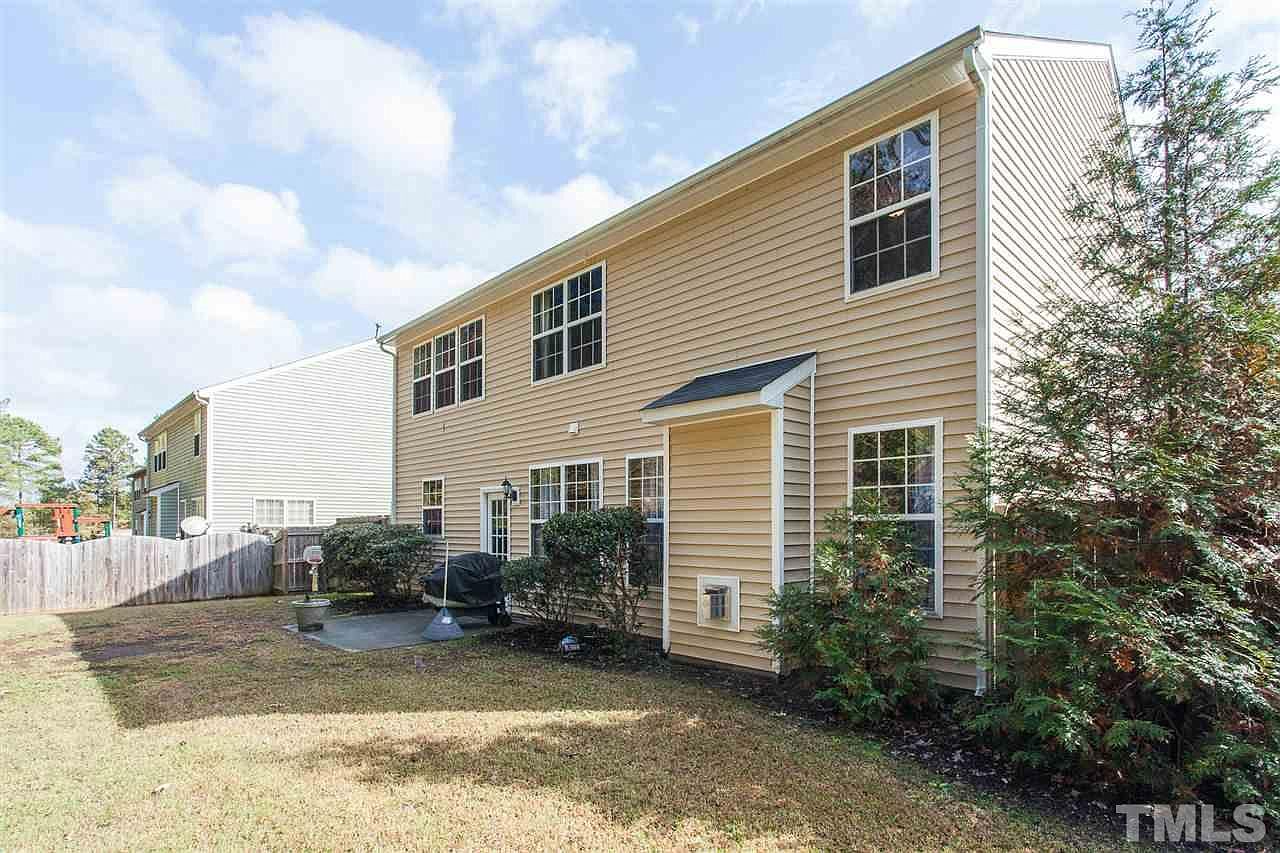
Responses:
[318,431]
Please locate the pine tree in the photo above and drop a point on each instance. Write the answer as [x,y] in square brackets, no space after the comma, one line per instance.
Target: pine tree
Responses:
[108,458]
[1130,497]
[30,459]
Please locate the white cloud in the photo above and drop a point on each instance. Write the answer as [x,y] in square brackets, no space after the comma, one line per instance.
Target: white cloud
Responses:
[738,10]
[832,72]
[214,223]
[669,164]
[1011,16]
[64,249]
[689,26]
[884,13]
[308,79]
[389,293]
[507,18]
[577,86]
[139,45]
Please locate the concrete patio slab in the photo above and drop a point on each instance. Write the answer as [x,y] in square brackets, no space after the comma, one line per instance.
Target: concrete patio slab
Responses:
[385,630]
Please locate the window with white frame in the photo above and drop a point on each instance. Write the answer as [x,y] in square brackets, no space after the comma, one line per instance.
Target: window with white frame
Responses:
[445,374]
[568,325]
[646,493]
[268,512]
[433,506]
[896,470]
[421,378]
[299,513]
[471,360]
[196,506]
[449,368]
[568,487]
[891,206]
[195,434]
[160,452]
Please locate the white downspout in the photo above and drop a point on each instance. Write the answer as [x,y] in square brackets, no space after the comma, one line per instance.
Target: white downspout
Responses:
[394,369]
[979,70]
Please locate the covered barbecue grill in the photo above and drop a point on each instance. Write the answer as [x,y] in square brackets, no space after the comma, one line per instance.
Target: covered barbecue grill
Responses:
[475,587]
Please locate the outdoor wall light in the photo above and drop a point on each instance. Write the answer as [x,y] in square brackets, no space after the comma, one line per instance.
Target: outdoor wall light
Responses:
[510,492]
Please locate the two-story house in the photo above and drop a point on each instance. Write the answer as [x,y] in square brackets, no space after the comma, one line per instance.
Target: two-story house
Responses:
[813,318]
[300,444]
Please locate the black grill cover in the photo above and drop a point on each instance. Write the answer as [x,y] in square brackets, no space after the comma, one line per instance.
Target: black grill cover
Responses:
[474,579]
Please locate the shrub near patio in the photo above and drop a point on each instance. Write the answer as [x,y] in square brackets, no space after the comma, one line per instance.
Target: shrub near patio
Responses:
[1130,500]
[379,559]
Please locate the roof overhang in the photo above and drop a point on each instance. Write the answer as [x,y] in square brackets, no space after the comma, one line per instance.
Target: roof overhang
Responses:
[764,399]
[150,429]
[923,78]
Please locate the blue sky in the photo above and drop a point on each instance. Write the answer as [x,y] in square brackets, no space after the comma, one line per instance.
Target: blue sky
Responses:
[195,191]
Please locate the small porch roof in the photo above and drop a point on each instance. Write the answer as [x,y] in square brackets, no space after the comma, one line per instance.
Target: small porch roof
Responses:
[739,390]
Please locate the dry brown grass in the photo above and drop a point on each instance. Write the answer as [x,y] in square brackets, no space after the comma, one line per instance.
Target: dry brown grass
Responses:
[205,725]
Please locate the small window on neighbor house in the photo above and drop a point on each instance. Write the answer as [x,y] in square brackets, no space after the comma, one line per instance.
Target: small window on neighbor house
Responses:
[195,434]
[568,325]
[268,512]
[896,471]
[300,513]
[891,197]
[433,507]
[160,452]
[421,378]
[197,506]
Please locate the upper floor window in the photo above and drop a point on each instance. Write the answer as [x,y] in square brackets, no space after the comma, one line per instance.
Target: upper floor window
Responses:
[895,471]
[160,452]
[449,368]
[433,506]
[195,434]
[891,206]
[568,325]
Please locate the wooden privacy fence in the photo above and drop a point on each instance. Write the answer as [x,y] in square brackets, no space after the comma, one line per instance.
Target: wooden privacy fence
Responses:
[291,572]
[46,576]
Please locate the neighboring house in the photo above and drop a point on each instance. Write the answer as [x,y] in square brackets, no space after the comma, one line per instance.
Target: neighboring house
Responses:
[296,445]
[816,315]
[137,493]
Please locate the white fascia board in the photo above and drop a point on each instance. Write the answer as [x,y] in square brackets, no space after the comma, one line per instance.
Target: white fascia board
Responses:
[738,404]
[1035,47]
[773,393]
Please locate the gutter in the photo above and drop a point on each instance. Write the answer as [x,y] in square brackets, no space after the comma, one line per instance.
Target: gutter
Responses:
[382,346]
[979,69]
[206,450]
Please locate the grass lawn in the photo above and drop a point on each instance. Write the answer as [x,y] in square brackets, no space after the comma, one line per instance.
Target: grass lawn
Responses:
[205,725]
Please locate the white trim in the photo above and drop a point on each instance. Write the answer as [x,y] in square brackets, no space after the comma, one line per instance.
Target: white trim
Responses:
[734,582]
[429,378]
[777,510]
[1039,47]
[980,71]
[561,464]
[666,543]
[813,550]
[253,512]
[769,398]
[310,500]
[934,195]
[429,341]
[563,328]
[422,507]
[939,483]
[626,495]
[485,530]
[444,371]
[924,77]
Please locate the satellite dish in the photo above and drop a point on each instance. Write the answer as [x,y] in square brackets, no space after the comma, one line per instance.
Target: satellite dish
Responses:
[195,525]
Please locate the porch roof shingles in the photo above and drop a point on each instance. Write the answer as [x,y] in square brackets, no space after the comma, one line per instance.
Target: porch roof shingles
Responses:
[729,383]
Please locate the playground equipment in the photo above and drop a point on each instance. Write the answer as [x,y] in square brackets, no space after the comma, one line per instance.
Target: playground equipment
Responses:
[67,521]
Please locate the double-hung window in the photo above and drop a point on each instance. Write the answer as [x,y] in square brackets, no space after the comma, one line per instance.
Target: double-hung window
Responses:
[160,452]
[449,368]
[433,506]
[568,325]
[195,434]
[895,471]
[300,513]
[646,493]
[422,378]
[268,512]
[891,207]
[567,487]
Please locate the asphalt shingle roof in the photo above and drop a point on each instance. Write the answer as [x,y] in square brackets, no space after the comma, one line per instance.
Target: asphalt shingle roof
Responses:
[727,383]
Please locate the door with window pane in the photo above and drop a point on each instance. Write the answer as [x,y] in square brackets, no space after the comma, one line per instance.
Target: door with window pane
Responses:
[498,526]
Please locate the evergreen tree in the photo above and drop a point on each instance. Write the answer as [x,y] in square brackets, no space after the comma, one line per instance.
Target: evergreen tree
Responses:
[30,459]
[1130,497]
[108,458]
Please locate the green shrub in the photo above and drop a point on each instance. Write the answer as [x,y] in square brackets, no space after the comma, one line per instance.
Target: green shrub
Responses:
[859,627]
[605,549]
[383,560]
[545,590]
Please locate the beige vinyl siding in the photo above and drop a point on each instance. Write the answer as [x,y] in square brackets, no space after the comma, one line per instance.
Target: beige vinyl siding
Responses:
[1045,116]
[182,465]
[796,484]
[720,517]
[754,275]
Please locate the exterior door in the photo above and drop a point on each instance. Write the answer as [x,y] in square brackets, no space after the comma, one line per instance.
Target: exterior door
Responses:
[497,525]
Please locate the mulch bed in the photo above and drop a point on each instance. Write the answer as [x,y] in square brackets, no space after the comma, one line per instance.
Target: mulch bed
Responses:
[939,741]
